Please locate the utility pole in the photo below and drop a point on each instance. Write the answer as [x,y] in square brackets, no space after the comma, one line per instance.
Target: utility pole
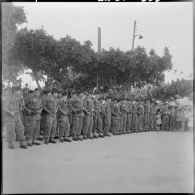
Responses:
[133,35]
[99,51]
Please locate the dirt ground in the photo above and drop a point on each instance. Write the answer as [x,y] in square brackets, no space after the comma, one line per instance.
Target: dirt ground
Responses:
[140,162]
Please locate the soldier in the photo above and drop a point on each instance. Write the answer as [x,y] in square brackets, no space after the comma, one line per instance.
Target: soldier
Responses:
[50,107]
[165,117]
[172,120]
[115,111]
[134,117]
[33,109]
[88,117]
[129,117]
[140,116]
[15,129]
[146,115]
[97,120]
[76,106]
[123,111]
[107,116]
[69,99]
[151,118]
[62,118]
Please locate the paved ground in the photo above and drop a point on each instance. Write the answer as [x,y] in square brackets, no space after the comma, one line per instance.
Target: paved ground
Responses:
[143,162]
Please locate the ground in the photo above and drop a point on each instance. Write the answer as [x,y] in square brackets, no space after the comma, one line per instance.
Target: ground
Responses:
[140,162]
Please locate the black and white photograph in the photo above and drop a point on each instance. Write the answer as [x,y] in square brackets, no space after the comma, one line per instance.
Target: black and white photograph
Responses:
[97,97]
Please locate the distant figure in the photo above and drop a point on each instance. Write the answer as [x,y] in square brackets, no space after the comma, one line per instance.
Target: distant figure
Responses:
[158,119]
[25,90]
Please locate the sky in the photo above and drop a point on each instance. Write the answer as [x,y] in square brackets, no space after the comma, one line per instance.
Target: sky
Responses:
[160,24]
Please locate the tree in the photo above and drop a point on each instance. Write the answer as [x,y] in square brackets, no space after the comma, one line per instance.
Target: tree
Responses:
[12,18]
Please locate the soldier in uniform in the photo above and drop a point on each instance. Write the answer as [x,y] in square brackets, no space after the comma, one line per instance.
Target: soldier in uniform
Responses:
[134,117]
[97,120]
[88,117]
[33,109]
[151,118]
[50,107]
[123,111]
[146,115]
[107,116]
[69,99]
[129,116]
[140,116]
[115,111]
[62,118]
[76,106]
[165,117]
[172,120]
[15,129]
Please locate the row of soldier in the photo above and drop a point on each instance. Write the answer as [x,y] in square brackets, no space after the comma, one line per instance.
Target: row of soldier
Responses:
[81,116]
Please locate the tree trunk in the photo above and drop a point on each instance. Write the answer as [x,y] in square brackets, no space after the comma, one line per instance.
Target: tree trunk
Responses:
[36,79]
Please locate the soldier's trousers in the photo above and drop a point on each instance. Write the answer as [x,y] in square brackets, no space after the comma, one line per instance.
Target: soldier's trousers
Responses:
[50,126]
[152,122]
[87,125]
[97,124]
[32,129]
[123,124]
[70,122]
[107,124]
[146,121]
[129,122]
[64,126]
[140,122]
[115,125]
[172,123]
[42,124]
[77,124]
[165,123]
[134,122]
[14,131]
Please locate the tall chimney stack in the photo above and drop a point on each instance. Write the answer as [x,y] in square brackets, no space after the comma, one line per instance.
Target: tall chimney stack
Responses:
[99,39]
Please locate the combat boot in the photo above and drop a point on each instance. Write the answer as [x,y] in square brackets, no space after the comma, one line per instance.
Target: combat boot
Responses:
[35,142]
[29,142]
[11,145]
[80,137]
[85,137]
[23,145]
[61,139]
[101,135]
[67,139]
[46,141]
[95,135]
[52,140]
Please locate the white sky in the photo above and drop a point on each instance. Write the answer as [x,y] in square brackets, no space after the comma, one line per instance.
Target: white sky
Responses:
[161,24]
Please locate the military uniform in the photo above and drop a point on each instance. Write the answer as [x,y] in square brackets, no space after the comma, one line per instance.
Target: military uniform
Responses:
[134,118]
[63,120]
[115,122]
[165,118]
[129,117]
[76,105]
[97,120]
[33,108]
[14,126]
[140,116]
[70,115]
[50,107]
[107,118]
[172,121]
[146,116]
[88,119]
[123,121]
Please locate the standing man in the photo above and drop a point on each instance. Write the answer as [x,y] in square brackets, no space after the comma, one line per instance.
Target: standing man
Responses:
[107,116]
[140,116]
[15,129]
[33,109]
[115,111]
[50,107]
[134,117]
[76,106]
[62,118]
[172,120]
[124,112]
[146,115]
[165,117]
[129,116]
[88,117]
[97,125]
